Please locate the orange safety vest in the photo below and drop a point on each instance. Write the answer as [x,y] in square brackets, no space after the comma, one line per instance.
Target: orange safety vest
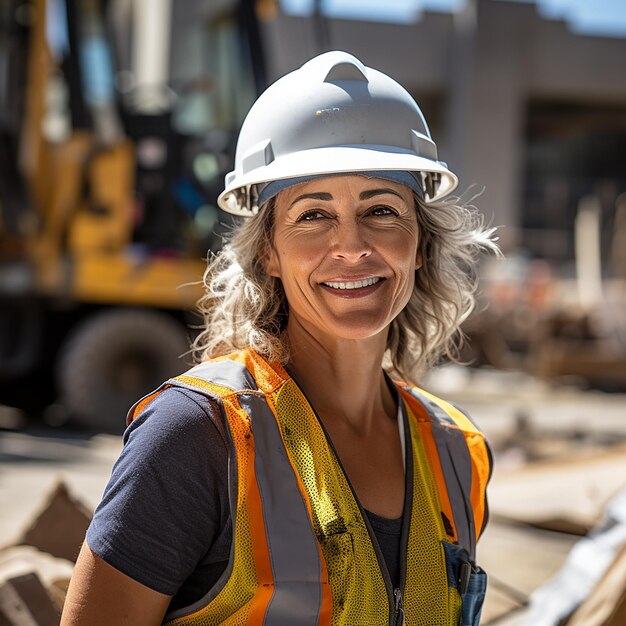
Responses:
[303,550]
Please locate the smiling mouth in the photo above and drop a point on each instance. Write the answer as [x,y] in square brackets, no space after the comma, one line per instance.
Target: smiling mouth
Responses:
[355,284]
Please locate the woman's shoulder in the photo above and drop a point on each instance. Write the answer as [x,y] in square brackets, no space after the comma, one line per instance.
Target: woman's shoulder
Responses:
[178,414]
[446,412]
[167,499]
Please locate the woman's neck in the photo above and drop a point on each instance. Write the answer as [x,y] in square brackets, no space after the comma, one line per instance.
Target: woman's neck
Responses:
[343,378]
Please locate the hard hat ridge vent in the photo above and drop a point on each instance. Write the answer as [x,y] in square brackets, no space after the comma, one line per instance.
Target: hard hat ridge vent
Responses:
[345,70]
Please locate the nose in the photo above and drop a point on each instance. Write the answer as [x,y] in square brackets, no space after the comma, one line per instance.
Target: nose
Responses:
[350,243]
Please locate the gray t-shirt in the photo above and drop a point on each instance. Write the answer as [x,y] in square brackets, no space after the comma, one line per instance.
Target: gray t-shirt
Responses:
[164,519]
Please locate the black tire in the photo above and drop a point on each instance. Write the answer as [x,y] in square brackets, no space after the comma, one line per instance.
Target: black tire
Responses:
[112,359]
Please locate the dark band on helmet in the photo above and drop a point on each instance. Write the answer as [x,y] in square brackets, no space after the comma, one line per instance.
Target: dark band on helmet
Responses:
[412,180]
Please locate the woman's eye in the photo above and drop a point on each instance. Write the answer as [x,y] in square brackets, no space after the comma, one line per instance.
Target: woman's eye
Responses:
[383,210]
[310,216]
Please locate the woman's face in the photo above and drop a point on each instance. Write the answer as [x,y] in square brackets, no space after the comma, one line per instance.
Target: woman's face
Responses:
[346,251]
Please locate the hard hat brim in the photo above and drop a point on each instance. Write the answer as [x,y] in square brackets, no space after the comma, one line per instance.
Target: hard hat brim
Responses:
[335,160]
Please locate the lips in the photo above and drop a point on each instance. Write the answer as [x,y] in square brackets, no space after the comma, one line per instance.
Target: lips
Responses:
[352,284]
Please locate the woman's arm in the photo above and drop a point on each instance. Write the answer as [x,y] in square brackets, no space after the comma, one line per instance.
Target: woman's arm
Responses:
[166,504]
[100,595]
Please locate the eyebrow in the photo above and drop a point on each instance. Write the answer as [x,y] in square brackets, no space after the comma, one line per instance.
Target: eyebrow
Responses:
[322,195]
[364,195]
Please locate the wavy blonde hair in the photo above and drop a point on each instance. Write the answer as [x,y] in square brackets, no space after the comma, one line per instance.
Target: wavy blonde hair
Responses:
[244,307]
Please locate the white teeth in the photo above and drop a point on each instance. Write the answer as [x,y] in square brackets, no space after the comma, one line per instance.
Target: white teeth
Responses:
[357,284]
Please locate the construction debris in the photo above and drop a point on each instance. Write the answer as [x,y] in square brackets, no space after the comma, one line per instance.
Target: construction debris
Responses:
[24,601]
[589,561]
[60,528]
[20,560]
[35,573]
[558,464]
[606,604]
[567,494]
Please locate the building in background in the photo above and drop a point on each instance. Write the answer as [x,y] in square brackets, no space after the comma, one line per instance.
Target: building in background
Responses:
[517,103]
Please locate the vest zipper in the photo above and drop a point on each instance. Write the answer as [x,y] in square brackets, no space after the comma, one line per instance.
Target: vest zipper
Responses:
[398,612]
[394,595]
[391,592]
[399,616]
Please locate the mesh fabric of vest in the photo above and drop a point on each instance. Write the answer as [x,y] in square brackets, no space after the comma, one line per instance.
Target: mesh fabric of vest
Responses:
[425,556]
[358,587]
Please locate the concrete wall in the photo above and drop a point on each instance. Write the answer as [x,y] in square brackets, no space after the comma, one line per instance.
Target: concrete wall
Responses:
[414,54]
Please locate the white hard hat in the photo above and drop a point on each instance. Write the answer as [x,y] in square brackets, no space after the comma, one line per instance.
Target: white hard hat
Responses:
[332,116]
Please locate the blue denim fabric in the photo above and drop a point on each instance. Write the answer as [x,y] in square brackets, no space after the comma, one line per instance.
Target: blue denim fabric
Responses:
[473,598]
[469,580]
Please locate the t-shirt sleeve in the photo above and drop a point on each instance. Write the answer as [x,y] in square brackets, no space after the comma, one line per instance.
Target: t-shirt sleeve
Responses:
[167,498]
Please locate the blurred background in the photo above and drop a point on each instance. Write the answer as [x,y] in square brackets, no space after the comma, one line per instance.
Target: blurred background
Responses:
[118,122]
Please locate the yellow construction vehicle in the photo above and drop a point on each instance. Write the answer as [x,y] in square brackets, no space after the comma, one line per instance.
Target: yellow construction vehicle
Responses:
[118,120]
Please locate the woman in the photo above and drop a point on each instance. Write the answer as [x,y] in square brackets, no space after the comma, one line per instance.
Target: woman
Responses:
[286,479]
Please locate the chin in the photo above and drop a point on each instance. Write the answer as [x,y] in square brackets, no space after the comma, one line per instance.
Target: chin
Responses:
[354,328]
